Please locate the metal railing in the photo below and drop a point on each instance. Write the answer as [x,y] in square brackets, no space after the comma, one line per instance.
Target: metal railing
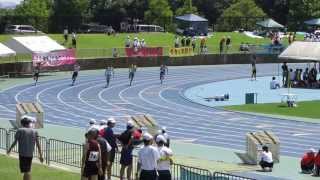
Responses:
[67,153]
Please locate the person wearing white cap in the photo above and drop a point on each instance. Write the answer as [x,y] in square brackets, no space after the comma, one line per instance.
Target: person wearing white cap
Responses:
[164,132]
[93,124]
[148,158]
[307,161]
[126,152]
[110,137]
[128,42]
[165,160]
[26,138]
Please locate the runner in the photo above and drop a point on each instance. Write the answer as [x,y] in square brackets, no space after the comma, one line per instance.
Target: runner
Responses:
[108,74]
[163,71]
[36,73]
[76,69]
[132,71]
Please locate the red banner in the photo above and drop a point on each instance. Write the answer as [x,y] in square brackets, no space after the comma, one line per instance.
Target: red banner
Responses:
[55,58]
[144,52]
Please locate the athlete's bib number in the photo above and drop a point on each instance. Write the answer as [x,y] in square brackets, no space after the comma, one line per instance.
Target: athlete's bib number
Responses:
[93,156]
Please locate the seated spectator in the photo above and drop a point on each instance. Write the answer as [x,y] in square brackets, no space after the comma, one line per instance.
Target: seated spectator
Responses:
[306,74]
[307,161]
[274,84]
[317,164]
[266,159]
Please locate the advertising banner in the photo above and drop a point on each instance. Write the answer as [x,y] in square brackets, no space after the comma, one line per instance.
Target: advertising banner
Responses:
[55,58]
[144,52]
[185,51]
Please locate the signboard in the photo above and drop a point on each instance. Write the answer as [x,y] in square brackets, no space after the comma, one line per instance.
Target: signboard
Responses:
[185,51]
[144,52]
[55,58]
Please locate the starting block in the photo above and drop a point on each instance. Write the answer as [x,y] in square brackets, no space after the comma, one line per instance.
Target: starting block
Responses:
[32,109]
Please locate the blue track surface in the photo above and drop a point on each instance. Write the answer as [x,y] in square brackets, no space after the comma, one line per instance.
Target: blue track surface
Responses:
[75,105]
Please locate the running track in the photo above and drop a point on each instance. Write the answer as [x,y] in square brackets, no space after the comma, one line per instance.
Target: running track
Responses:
[186,121]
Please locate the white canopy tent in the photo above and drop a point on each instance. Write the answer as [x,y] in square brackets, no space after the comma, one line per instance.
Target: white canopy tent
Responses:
[5,51]
[33,44]
[299,50]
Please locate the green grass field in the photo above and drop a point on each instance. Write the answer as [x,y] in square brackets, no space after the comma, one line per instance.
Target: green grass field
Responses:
[307,109]
[100,45]
[9,170]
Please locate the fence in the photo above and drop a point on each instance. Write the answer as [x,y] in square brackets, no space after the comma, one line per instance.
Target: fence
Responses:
[66,153]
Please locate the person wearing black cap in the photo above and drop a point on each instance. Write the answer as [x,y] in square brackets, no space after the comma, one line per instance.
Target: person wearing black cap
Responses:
[126,153]
[26,137]
[148,158]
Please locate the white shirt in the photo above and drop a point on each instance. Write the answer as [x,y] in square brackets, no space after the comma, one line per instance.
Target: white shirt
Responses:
[273,84]
[148,157]
[164,162]
[65,32]
[266,156]
[76,69]
[94,126]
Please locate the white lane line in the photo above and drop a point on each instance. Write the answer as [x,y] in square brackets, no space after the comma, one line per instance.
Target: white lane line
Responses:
[228,124]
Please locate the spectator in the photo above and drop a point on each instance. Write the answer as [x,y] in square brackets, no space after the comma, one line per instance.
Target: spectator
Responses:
[26,138]
[74,40]
[65,35]
[317,164]
[126,152]
[305,74]
[202,45]
[284,74]
[292,77]
[91,166]
[176,42]
[307,161]
[222,44]
[290,38]
[143,43]
[274,84]
[165,160]
[105,150]
[102,126]
[188,41]
[128,42]
[111,139]
[228,44]
[266,159]
[148,157]
[93,124]
[183,41]
[166,136]
[193,43]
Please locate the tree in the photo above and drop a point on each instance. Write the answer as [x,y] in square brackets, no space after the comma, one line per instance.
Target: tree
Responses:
[159,13]
[241,14]
[302,10]
[68,13]
[33,12]
[187,8]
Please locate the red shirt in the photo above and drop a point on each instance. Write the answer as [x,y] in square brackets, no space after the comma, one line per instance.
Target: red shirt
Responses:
[317,160]
[308,159]
[136,135]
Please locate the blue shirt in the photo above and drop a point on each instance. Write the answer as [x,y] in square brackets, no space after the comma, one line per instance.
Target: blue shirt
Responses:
[109,136]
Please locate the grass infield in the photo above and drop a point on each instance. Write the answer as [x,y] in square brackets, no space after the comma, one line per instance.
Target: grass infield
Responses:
[9,170]
[305,109]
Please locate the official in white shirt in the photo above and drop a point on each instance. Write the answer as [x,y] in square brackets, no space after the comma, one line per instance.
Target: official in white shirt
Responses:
[165,160]
[148,158]
[266,159]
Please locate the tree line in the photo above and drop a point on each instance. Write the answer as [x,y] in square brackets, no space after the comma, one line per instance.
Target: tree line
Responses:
[54,15]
